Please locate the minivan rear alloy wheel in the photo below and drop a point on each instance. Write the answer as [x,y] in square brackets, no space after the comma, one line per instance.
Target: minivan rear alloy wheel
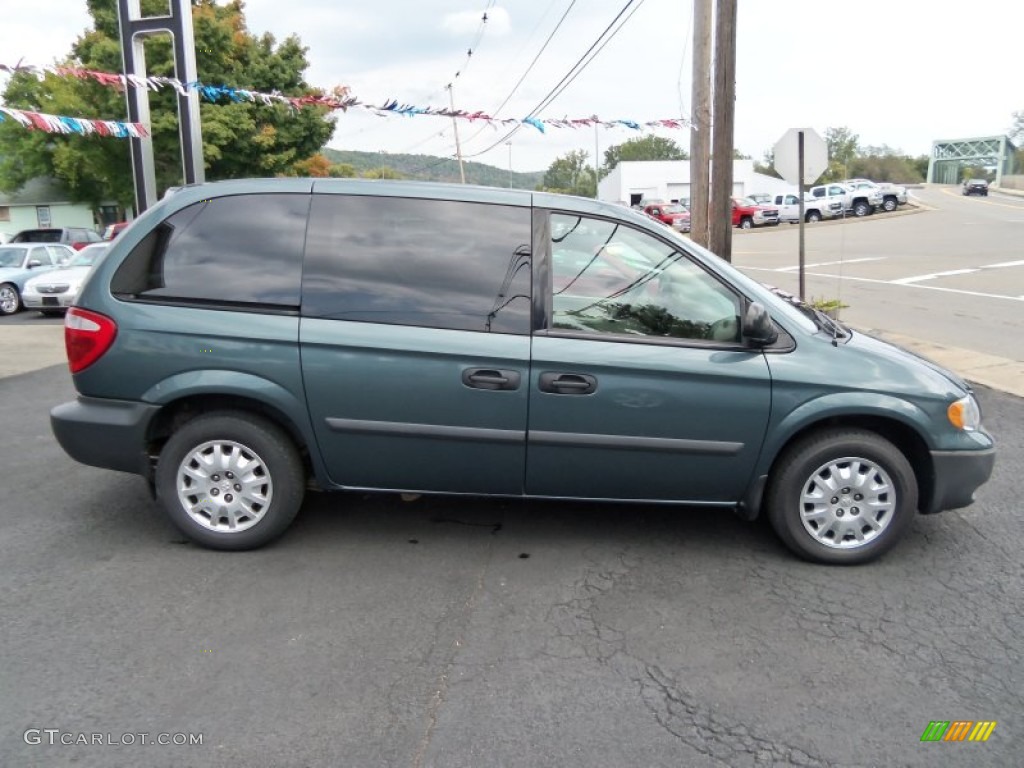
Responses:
[10,301]
[842,496]
[230,480]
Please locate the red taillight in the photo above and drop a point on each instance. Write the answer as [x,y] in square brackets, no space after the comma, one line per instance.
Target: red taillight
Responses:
[87,335]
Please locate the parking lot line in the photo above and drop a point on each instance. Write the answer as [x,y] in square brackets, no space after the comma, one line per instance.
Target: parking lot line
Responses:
[933,275]
[982,294]
[902,285]
[830,263]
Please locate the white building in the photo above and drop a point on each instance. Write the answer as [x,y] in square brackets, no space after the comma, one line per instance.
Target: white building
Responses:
[633,181]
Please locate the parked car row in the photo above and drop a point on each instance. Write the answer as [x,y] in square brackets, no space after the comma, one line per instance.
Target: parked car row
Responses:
[43,276]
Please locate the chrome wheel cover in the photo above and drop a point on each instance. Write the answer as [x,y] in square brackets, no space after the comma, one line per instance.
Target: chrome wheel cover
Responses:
[847,503]
[8,300]
[224,486]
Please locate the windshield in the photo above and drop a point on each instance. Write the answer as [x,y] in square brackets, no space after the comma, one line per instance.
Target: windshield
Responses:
[11,257]
[747,201]
[87,256]
[673,209]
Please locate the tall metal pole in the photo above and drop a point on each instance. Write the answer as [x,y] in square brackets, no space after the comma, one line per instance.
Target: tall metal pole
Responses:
[455,125]
[700,135]
[597,172]
[134,28]
[720,215]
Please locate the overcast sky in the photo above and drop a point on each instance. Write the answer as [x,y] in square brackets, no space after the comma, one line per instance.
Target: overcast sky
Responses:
[896,72]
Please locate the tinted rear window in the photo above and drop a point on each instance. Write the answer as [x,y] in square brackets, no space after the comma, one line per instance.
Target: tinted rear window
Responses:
[244,249]
[37,236]
[431,263]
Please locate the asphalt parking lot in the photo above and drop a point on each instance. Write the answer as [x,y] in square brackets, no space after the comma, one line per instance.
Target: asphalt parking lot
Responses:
[479,633]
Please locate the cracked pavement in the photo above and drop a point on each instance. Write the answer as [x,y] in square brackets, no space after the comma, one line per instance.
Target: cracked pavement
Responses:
[466,632]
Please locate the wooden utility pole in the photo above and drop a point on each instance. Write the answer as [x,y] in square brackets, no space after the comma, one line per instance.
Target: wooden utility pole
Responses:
[720,215]
[455,127]
[700,114]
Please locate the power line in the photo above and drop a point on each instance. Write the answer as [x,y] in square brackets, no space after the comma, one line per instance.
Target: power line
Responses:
[533,63]
[473,47]
[573,72]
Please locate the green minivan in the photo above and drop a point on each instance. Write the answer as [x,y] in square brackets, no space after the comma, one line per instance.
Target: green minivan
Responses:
[246,340]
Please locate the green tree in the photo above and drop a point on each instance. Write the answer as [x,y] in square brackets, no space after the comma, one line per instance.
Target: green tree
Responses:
[1017,129]
[239,139]
[571,175]
[766,165]
[384,172]
[643,148]
[886,167]
[842,146]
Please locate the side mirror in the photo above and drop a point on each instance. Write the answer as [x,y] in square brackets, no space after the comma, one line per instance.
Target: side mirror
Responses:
[35,263]
[758,327]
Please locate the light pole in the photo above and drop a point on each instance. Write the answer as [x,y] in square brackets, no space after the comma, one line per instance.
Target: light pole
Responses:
[509,145]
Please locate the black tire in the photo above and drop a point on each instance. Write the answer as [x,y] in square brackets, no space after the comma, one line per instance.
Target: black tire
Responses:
[746,223]
[890,204]
[10,299]
[812,216]
[807,464]
[264,443]
[861,208]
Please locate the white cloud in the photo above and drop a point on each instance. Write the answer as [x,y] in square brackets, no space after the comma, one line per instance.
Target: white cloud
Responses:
[893,72]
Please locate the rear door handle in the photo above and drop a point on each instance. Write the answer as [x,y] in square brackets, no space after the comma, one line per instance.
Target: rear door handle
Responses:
[491,378]
[567,383]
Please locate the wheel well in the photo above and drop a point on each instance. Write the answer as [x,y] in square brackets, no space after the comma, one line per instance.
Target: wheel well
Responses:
[176,414]
[899,434]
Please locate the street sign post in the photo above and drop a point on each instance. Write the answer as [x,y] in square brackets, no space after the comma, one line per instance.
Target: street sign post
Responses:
[801,156]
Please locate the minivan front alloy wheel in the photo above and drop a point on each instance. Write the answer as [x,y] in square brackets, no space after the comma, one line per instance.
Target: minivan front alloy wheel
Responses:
[230,480]
[842,496]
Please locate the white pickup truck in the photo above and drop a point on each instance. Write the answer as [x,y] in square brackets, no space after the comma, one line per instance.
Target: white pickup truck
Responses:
[815,208]
[893,195]
[858,201]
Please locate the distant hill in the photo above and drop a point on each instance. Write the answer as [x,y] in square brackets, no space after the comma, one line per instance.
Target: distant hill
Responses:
[432,168]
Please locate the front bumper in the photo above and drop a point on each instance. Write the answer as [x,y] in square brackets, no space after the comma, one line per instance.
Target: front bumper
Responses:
[48,300]
[105,433]
[958,474]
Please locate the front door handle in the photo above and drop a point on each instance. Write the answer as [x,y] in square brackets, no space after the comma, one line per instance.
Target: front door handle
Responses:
[490,378]
[568,383]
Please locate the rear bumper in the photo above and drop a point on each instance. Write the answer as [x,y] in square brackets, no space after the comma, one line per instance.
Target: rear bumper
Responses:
[105,433]
[958,474]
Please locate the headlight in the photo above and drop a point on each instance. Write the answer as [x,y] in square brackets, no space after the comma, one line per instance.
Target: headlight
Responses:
[964,414]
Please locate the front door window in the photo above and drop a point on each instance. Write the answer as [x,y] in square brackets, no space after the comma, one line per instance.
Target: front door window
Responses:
[610,279]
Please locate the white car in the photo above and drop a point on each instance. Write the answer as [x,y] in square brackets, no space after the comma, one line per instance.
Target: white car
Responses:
[53,292]
[815,208]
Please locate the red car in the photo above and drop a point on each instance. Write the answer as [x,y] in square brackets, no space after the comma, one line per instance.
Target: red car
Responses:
[672,214]
[113,230]
[746,214]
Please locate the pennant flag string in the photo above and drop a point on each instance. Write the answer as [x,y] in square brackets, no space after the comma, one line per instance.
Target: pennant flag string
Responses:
[79,125]
[338,98]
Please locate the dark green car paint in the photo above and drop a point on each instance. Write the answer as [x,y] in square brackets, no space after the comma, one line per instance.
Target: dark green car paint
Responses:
[380,406]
